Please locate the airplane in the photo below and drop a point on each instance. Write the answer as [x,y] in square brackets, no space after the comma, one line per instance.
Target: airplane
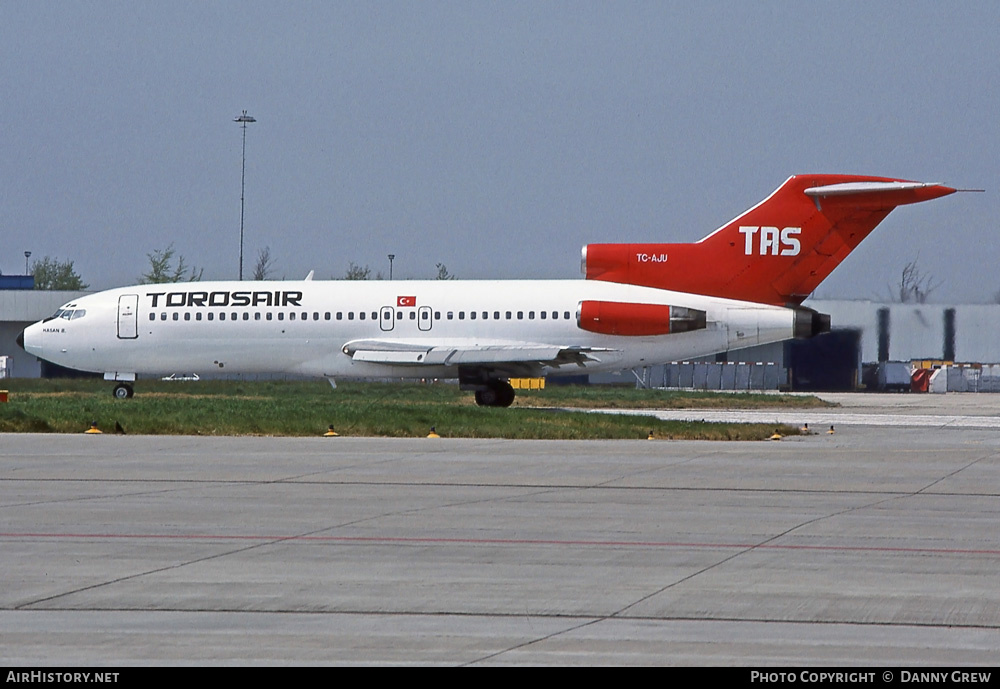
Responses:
[638,305]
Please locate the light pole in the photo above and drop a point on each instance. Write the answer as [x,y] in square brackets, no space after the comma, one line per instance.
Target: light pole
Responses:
[391,257]
[27,255]
[244,120]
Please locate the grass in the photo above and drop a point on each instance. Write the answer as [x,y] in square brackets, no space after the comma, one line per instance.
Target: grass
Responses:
[626,397]
[307,408]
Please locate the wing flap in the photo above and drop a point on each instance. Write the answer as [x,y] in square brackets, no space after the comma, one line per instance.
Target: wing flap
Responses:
[379,357]
[400,353]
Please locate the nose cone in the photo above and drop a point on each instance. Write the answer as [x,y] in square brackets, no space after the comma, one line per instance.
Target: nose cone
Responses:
[30,339]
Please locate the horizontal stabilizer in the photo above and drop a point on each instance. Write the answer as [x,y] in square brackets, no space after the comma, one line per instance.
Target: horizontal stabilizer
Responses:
[868,188]
[879,195]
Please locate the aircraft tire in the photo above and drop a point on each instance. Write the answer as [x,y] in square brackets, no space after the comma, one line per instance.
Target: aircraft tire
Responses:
[505,394]
[123,391]
[486,398]
[499,394]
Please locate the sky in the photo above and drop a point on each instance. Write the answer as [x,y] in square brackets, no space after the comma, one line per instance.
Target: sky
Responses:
[496,138]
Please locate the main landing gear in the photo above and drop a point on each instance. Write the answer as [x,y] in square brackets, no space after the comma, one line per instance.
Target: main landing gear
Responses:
[123,391]
[490,389]
[497,393]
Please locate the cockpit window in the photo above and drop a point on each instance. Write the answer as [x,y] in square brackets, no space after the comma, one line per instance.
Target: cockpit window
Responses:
[68,314]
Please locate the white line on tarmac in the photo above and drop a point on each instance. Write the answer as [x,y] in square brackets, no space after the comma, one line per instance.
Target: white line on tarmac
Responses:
[816,419]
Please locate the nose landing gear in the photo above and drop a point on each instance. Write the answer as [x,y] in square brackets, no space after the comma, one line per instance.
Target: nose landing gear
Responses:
[123,391]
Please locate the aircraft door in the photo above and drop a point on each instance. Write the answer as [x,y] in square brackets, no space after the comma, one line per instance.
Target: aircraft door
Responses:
[128,315]
[425,318]
[387,318]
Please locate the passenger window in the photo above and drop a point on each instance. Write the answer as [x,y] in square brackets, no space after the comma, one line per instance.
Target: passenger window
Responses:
[361,315]
[472,315]
[437,315]
[350,315]
[520,315]
[508,315]
[316,316]
[413,315]
[269,316]
[211,316]
[222,316]
[461,315]
[187,315]
[566,315]
[340,315]
[542,314]
[163,316]
[451,315]
[197,316]
[152,316]
[281,315]
[256,316]
[291,316]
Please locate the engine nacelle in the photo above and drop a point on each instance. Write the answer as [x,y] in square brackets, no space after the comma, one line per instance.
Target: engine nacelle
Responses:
[631,319]
[810,323]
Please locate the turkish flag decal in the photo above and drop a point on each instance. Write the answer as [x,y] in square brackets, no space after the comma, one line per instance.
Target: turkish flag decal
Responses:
[406,301]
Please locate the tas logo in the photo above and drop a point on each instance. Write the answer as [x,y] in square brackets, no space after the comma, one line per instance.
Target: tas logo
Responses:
[771,241]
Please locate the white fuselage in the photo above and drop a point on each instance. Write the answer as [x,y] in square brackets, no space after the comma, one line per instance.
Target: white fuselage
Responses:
[307,327]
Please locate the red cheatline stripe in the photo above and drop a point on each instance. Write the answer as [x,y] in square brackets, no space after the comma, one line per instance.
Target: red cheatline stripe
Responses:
[390,540]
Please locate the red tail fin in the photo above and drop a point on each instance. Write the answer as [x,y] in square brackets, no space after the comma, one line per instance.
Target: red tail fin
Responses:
[775,253]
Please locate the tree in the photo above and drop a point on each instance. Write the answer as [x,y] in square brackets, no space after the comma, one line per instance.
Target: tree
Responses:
[914,286]
[265,265]
[51,273]
[356,272]
[443,273]
[162,268]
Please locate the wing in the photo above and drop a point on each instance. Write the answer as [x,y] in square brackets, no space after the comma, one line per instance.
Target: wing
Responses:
[498,354]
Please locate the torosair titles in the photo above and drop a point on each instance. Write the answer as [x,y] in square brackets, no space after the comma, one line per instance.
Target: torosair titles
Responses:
[223,298]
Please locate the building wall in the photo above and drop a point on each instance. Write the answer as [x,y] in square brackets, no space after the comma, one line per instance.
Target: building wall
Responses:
[918,331]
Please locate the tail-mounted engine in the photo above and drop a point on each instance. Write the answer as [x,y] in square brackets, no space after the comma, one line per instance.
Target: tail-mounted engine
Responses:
[624,318]
[810,323]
